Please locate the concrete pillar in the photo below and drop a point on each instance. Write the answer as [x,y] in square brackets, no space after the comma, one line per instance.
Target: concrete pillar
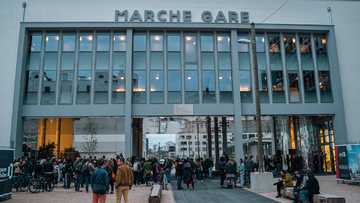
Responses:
[224,135]
[208,129]
[128,93]
[216,129]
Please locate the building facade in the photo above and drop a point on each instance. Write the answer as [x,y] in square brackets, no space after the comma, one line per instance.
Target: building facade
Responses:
[138,59]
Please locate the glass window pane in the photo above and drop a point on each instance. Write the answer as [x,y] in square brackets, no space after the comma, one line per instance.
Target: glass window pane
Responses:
[68,43]
[67,60]
[139,60]
[245,86]
[224,61]
[275,61]
[208,86]
[191,87]
[83,87]
[294,88]
[66,79]
[190,67]
[85,60]
[52,43]
[103,43]
[321,53]
[309,87]
[118,87]
[101,87]
[207,60]
[86,42]
[49,87]
[119,58]
[33,62]
[306,56]
[173,43]
[274,44]
[173,60]
[290,53]
[102,60]
[278,86]
[35,43]
[157,87]
[156,60]
[325,87]
[156,43]
[50,62]
[119,42]
[207,43]
[139,87]
[242,47]
[244,61]
[174,87]
[263,88]
[225,86]
[190,48]
[260,43]
[139,43]
[31,88]
[261,61]
[223,43]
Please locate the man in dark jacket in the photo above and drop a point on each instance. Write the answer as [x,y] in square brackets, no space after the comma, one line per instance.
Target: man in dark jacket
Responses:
[68,173]
[300,182]
[222,165]
[210,166]
[179,173]
[28,169]
[312,187]
[99,179]
[79,171]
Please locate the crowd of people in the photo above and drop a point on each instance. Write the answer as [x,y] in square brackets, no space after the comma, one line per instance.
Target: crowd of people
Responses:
[106,175]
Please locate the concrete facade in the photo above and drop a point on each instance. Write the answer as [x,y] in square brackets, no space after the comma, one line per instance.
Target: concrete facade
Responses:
[294,16]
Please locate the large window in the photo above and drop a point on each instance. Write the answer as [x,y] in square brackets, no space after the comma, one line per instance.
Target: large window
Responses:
[191,67]
[84,69]
[308,68]
[292,67]
[67,68]
[262,73]
[102,69]
[173,61]
[119,64]
[191,86]
[244,70]
[32,70]
[208,74]
[276,69]
[139,69]
[224,62]
[156,66]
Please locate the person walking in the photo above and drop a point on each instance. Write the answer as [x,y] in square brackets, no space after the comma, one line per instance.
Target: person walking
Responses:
[188,177]
[124,181]
[168,166]
[155,170]
[210,166]
[112,175]
[147,171]
[222,165]
[285,181]
[312,187]
[179,173]
[241,172]
[99,183]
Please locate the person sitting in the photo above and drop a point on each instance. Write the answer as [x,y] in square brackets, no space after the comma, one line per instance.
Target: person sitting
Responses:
[300,182]
[285,181]
[312,187]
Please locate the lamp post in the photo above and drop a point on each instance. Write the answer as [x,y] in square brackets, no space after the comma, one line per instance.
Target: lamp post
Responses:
[257,94]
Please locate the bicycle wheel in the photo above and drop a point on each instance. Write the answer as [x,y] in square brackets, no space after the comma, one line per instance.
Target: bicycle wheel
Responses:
[22,184]
[49,184]
[34,186]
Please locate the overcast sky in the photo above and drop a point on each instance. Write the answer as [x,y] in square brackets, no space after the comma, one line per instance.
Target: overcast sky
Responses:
[162,138]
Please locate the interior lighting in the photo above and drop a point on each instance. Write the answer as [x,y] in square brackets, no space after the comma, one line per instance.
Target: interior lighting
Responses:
[188,38]
[219,38]
[89,78]
[121,78]
[80,38]
[189,78]
[285,39]
[157,38]
[263,40]
[220,78]
[157,77]
[57,38]
[90,38]
[294,40]
[47,38]
[323,40]
[228,39]
[122,38]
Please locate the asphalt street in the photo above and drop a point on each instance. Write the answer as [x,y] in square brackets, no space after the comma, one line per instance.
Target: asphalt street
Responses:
[210,191]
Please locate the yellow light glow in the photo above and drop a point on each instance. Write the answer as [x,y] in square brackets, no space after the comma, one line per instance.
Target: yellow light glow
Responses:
[47,38]
[57,38]
[228,39]
[244,89]
[219,38]
[265,77]
[188,38]
[157,38]
[194,43]
[152,90]
[294,41]
[285,39]
[122,38]
[189,78]
[323,40]
[89,78]
[121,78]
[120,90]
[80,38]
[139,90]
[220,78]
[263,40]
[157,77]
[90,38]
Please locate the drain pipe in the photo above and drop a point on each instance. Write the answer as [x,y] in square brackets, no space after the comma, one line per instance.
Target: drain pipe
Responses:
[329,11]
[23,13]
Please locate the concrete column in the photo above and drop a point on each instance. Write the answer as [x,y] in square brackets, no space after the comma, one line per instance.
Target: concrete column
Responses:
[216,129]
[224,135]
[128,92]
[208,129]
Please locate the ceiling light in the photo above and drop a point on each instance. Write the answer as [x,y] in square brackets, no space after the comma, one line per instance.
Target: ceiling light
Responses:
[57,38]
[122,38]
[188,38]
[90,38]
[219,38]
[189,78]
[323,40]
[263,40]
[121,78]
[80,38]
[157,38]
[47,38]
[220,78]
[294,40]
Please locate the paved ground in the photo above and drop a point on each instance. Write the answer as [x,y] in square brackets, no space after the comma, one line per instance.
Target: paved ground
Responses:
[60,195]
[209,191]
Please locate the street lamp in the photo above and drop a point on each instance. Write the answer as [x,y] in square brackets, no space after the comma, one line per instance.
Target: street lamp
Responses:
[257,94]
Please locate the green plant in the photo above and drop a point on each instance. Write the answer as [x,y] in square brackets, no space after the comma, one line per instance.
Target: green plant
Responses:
[46,150]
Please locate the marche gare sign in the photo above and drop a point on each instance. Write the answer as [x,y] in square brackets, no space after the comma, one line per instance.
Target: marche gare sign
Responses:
[175,16]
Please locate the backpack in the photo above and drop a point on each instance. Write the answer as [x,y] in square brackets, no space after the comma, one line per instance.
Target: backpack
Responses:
[136,166]
[86,169]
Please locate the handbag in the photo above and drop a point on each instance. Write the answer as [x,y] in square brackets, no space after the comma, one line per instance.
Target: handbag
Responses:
[99,189]
[148,172]
[113,176]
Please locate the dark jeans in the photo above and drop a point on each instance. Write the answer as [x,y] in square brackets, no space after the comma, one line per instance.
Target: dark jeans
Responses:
[192,184]
[296,193]
[136,177]
[279,187]
[155,177]
[68,177]
[78,182]
[111,183]
[179,178]
[87,181]
[222,178]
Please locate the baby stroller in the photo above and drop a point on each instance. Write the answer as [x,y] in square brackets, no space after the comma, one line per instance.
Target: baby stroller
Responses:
[163,179]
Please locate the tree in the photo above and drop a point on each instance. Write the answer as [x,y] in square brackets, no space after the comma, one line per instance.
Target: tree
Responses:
[71,152]
[193,154]
[91,142]
[47,150]
[205,155]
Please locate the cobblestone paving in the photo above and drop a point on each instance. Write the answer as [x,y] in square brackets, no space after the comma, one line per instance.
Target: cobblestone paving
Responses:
[60,195]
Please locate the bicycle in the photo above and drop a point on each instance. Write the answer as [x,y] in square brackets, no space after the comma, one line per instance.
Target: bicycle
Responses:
[163,180]
[21,183]
[247,179]
[43,182]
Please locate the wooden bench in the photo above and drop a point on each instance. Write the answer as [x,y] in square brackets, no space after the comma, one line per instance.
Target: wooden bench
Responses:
[155,194]
[318,198]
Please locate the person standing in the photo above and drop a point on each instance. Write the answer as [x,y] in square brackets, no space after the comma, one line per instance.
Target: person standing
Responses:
[79,172]
[168,166]
[222,165]
[68,173]
[88,170]
[124,181]
[136,171]
[316,162]
[241,172]
[230,172]
[179,173]
[147,168]
[199,172]
[99,183]
[111,174]
[210,166]
[60,171]
[155,170]
[17,172]
[188,177]
[55,171]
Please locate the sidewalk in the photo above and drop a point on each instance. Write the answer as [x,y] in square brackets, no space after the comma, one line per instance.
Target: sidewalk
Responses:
[60,195]
[327,185]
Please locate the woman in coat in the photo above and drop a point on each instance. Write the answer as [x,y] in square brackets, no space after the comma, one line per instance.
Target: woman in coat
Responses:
[188,177]
[312,187]
[147,167]
[285,181]
[198,170]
